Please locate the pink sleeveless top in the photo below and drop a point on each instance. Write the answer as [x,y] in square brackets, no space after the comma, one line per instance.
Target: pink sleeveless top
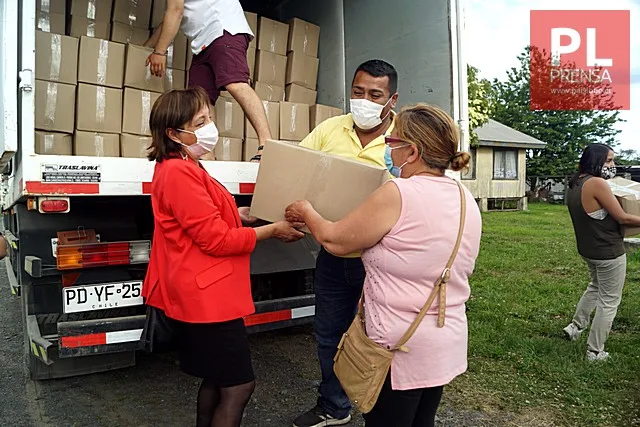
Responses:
[401,270]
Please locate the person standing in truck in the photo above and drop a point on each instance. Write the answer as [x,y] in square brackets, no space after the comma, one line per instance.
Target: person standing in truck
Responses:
[358,135]
[220,36]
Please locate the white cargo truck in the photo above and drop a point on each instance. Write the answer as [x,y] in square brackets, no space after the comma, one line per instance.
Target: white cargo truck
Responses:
[82,309]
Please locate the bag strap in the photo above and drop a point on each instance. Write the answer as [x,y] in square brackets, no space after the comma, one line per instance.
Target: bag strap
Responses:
[440,285]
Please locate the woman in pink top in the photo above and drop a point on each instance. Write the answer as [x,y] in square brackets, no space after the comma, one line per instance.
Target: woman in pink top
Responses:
[407,230]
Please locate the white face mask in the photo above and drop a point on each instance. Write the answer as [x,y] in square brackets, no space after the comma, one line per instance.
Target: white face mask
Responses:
[206,140]
[366,114]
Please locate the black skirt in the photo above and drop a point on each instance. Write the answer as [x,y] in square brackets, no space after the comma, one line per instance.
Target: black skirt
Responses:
[215,351]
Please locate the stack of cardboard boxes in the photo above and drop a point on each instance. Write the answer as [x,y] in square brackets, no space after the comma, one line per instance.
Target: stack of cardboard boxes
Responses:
[94,92]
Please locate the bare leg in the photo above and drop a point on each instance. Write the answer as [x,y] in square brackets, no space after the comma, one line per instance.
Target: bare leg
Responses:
[253,108]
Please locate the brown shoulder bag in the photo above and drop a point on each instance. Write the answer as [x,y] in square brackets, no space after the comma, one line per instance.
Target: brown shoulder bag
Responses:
[361,364]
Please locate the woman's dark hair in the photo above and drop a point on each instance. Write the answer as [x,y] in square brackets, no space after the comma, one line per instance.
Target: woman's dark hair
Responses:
[591,162]
[173,110]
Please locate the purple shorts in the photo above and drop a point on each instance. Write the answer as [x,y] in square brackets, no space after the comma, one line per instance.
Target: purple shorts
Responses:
[221,63]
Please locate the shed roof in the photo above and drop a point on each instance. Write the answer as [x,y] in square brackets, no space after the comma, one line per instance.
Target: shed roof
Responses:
[495,134]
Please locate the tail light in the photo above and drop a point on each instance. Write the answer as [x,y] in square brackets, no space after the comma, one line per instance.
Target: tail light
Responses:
[87,255]
[53,204]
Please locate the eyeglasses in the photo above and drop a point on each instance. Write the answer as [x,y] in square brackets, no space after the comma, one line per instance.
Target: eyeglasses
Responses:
[390,140]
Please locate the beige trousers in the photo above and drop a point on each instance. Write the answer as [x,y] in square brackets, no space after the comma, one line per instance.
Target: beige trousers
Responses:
[603,294]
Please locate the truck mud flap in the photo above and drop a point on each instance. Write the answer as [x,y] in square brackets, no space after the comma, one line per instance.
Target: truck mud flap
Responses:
[100,336]
[281,313]
[41,348]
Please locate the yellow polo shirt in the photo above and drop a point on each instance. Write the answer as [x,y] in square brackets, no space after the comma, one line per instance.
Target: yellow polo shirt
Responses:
[338,136]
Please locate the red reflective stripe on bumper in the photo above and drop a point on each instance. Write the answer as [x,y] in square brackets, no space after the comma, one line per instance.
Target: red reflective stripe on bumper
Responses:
[269,317]
[84,340]
[146,188]
[247,188]
[34,187]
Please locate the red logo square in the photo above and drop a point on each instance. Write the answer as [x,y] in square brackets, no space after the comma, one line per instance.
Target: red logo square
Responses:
[580,60]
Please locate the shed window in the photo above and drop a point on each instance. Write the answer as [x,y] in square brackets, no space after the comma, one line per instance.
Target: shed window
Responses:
[505,164]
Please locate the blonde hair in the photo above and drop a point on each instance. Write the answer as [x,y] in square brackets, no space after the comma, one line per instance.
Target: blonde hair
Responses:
[434,133]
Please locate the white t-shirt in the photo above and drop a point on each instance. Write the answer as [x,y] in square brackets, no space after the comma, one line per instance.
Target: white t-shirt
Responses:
[204,21]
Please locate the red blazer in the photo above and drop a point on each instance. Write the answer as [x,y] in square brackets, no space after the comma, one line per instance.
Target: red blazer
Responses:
[199,266]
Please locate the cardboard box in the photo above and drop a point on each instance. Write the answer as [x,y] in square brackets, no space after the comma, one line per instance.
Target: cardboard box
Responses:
[272,111]
[272,36]
[300,94]
[294,121]
[96,144]
[136,110]
[53,143]
[50,22]
[101,62]
[251,62]
[267,92]
[55,105]
[333,184]
[302,70]
[318,113]
[125,33]
[250,148]
[189,55]
[174,79]
[57,58]
[252,20]
[303,37]
[177,52]
[157,12]
[99,109]
[136,74]
[52,6]
[134,145]
[80,26]
[270,68]
[229,150]
[628,194]
[98,10]
[136,13]
[229,118]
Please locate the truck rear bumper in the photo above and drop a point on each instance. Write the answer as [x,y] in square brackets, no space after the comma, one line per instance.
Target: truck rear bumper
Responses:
[281,313]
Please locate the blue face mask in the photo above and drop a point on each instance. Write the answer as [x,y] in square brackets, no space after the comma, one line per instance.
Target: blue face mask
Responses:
[395,171]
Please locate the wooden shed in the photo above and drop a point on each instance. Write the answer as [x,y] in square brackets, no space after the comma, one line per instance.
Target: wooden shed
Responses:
[498,169]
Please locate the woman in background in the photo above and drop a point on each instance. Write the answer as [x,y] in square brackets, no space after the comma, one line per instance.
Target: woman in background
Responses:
[597,221]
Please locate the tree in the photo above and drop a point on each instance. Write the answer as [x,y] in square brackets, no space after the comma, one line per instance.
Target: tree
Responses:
[566,132]
[627,158]
[479,102]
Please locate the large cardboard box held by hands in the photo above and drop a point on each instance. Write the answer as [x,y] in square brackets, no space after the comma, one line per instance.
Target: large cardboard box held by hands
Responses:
[55,106]
[100,62]
[57,58]
[334,185]
[628,194]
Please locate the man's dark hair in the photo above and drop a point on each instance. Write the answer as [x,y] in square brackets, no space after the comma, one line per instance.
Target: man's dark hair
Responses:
[591,161]
[380,68]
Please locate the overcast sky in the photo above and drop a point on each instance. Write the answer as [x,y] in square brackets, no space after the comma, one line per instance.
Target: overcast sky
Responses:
[498,30]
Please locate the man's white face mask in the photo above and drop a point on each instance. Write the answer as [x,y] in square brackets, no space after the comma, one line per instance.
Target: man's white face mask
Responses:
[366,114]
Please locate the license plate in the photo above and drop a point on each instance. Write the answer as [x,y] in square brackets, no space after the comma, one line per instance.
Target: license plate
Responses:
[101,297]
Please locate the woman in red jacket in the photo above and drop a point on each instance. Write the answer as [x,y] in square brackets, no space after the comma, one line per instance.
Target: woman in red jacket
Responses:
[199,268]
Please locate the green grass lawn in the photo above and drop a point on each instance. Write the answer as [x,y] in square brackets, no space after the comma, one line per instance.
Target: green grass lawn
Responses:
[527,282]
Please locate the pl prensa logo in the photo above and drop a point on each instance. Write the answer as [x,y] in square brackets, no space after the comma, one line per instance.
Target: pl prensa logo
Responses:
[580,60]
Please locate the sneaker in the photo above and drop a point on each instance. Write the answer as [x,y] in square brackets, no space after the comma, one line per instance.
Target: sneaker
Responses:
[597,357]
[317,417]
[572,331]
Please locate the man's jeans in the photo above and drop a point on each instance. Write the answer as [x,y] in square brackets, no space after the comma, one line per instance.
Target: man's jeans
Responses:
[603,294]
[338,286]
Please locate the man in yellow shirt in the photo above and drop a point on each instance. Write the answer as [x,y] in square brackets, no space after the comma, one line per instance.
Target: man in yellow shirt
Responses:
[358,135]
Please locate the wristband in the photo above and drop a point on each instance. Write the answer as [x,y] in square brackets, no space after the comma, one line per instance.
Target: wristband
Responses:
[260,148]
[159,53]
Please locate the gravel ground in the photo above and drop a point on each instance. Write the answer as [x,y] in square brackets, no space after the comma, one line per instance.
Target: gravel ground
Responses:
[156,393]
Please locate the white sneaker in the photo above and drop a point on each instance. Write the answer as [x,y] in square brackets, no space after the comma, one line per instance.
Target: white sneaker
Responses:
[572,331]
[597,357]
